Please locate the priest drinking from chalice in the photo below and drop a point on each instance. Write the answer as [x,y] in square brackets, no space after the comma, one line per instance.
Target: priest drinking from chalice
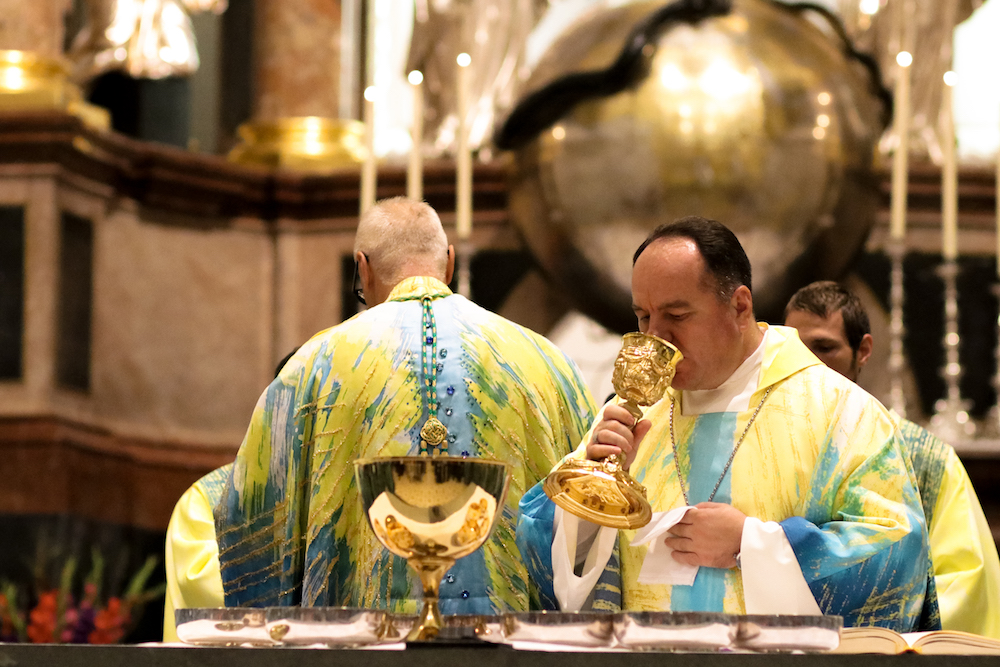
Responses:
[774,485]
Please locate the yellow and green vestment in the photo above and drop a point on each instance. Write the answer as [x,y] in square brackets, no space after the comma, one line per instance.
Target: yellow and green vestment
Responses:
[966,566]
[192,554]
[289,524]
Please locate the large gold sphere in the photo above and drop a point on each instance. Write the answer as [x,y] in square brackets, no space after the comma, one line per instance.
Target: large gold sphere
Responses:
[758,119]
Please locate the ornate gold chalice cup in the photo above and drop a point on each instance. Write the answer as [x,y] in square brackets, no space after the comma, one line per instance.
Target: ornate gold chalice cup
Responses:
[431,511]
[602,491]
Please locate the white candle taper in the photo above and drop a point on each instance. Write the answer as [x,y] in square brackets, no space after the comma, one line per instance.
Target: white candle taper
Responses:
[463,176]
[415,171]
[949,173]
[900,159]
[366,198]
[368,173]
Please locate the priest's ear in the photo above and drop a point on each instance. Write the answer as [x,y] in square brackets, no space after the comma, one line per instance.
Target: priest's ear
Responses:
[449,270]
[864,352]
[742,304]
[364,271]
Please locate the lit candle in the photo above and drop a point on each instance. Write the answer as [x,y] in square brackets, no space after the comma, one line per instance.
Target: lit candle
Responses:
[949,173]
[368,171]
[900,159]
[368,168]
[415,172]
[463,176]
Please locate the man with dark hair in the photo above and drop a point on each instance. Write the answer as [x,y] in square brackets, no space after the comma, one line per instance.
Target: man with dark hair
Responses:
[777,485]
[833,324]
[727,263]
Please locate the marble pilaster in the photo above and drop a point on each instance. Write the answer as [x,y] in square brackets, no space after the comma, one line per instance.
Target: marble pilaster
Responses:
[297,54]
[33,26]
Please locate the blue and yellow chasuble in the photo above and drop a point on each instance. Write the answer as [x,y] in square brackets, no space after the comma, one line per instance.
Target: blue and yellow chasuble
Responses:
[289,524]
[822,458]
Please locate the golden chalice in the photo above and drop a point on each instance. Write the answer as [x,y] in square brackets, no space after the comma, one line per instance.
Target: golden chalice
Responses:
[602,491]
[431,511]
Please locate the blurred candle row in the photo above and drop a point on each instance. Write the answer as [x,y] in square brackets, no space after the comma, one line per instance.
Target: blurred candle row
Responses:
[414,170]
[949,163]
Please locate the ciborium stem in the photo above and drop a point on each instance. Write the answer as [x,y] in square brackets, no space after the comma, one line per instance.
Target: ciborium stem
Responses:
[431,571]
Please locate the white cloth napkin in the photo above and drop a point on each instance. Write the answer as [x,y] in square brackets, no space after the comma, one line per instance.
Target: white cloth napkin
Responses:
[659,566]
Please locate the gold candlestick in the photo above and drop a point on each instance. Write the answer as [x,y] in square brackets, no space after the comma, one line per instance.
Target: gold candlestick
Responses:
[602,491]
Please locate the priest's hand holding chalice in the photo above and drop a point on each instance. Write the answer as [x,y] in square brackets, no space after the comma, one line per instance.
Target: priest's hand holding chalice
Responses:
[602,491]
[431,510]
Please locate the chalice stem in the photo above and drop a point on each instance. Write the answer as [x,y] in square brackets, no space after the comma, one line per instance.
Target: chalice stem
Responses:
[633,409]
[431,570]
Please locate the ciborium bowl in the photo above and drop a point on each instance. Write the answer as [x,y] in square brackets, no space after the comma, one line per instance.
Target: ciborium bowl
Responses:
[431,510]
[602,491]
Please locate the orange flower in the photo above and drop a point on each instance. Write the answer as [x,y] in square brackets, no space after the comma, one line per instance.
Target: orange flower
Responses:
[41,629]
[109,623]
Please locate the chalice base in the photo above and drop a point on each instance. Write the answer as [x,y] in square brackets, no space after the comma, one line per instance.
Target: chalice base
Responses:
[600,492]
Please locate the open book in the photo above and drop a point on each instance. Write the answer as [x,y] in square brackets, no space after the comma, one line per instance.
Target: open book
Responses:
[939,642]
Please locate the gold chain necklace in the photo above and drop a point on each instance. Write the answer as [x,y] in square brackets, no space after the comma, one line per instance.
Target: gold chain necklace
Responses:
[673,446]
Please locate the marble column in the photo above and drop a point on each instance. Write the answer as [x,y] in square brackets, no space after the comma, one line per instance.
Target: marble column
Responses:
[304,63]
[33,26]
[297,53]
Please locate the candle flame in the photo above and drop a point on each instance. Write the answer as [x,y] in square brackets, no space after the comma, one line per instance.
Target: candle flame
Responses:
[415,77]
[904,59]
[464,60]
[869,7]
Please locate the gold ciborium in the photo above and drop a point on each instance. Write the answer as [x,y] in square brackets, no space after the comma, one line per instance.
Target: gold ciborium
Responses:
[431,511]
[602,491]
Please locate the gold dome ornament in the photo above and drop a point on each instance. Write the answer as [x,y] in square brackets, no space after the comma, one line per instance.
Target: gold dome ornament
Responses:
[603,492]
[750,112]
